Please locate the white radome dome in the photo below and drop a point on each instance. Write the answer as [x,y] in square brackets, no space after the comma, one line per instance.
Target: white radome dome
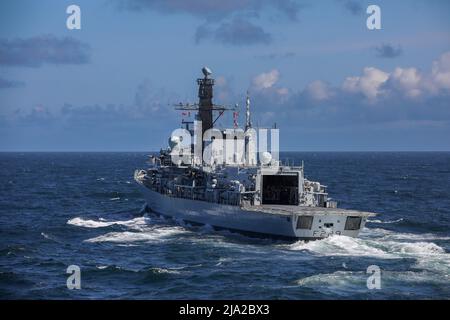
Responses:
[266,157]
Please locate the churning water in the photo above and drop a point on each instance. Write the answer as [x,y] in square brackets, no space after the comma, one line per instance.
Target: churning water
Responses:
[60,209]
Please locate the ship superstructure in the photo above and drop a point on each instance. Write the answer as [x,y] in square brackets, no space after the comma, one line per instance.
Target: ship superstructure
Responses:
[249,192]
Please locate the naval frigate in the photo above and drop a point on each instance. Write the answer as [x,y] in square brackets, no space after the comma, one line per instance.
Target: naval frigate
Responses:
[254,194]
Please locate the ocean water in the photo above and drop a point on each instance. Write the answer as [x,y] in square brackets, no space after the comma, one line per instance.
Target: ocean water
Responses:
[61,209]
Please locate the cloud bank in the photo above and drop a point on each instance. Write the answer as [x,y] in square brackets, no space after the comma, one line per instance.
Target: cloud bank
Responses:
[6,84]
[404,104]
[228,22]
[237,32]
[40,50]
[402,95]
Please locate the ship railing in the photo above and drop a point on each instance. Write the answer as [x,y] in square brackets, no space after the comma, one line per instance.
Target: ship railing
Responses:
[189,192]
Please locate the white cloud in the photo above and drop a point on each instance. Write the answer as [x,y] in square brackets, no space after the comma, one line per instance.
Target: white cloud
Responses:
[319,90]
[440,72]
[408,81]
[369,84]
[266,80]
[283,91]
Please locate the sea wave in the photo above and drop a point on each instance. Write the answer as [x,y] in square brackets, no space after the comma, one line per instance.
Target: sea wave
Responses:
[155,234]
[136,223]
[384,244]
[341,246]
[347,283]
[385,222]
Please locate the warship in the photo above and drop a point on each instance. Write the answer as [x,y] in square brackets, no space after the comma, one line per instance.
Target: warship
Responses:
[232,186]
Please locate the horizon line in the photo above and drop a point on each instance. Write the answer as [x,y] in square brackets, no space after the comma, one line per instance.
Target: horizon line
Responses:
[150,151]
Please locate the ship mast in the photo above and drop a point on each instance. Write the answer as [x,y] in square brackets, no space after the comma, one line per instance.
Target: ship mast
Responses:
[248,122]
[205,107]
[205,95]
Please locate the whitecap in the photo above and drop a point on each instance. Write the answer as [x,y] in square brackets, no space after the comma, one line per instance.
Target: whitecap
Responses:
[339,281]
[392,235]
[340,246]
[156,234]
[46,236]
[385,222]
[136,223]
[101,267]
[384,244]
[80,222]
[165,271]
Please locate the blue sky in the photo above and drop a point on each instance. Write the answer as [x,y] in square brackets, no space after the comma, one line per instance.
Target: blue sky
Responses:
[312,67]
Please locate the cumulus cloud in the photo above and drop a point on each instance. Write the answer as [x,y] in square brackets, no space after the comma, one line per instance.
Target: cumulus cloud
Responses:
[375,97]
[266,93]
[265,80]
[39,50]
[408,81]
[440,72]
[369,83]
[319,90]
[4,84]
[388,51]
[374,83]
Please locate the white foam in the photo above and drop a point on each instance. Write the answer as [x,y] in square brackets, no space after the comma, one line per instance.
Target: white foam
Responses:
[385,222]
[346,246]
[338,279]
[384,244]
[80,222]
[391,235]
[46,236]
[413,248]
[356,280]
[165,271]
[340,246]
[136,223]
[155,234]
[102,267]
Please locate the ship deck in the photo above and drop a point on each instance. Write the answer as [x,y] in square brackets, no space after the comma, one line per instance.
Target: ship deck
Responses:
[289,210]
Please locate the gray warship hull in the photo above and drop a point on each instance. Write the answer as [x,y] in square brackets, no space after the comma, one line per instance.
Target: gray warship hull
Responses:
[225,179]
[263,221]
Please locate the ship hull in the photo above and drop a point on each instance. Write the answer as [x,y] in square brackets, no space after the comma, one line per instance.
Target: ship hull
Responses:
[258,223]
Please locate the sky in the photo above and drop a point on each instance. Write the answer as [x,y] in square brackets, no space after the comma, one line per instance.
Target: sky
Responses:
[311,67]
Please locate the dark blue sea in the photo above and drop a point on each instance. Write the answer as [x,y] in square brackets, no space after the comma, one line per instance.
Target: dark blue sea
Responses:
[61,209]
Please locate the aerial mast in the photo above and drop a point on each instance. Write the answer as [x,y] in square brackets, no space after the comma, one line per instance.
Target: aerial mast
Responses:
[205,95]
[248,122]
